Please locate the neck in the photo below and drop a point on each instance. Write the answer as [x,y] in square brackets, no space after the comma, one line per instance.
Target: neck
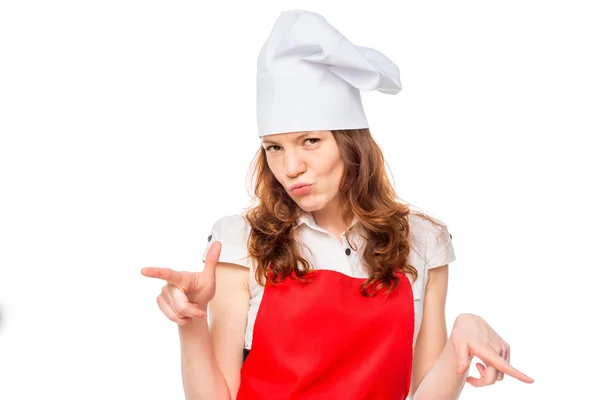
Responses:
[331,219]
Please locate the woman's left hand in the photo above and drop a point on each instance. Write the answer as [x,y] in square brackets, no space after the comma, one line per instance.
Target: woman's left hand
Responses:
[473,337]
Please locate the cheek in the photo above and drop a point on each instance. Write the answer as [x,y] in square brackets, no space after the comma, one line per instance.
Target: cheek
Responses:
[275,169]
[338,174]
[332,172]
[337,168]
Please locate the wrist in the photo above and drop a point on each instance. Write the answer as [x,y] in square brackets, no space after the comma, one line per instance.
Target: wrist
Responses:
[194,325]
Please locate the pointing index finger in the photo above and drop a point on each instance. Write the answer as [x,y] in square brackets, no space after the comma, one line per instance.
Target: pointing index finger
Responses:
[495,360]
[166,274]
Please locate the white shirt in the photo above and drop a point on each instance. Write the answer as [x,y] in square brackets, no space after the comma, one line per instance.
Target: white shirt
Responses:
[430,247]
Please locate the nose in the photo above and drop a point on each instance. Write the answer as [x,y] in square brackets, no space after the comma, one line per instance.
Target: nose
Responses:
[294,163]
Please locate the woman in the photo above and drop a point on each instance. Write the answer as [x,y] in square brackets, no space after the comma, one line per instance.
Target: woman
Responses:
[318,291]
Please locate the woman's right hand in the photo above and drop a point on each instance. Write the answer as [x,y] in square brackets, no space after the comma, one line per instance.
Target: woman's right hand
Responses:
[186,294]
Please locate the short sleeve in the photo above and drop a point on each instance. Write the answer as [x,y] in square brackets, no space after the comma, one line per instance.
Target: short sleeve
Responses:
[232,231]
[434,240]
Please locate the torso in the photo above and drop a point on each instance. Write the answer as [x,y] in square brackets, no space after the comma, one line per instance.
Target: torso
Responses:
[429,247]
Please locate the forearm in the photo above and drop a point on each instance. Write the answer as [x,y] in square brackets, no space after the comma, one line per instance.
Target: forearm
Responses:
[441,382]
[202,378]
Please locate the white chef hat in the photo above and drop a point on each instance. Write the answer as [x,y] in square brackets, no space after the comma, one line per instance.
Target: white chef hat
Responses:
[309,77]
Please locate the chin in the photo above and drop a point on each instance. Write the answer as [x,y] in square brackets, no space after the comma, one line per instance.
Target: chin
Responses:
[309,205]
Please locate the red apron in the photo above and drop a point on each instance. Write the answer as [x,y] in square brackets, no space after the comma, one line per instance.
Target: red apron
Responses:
[324,340]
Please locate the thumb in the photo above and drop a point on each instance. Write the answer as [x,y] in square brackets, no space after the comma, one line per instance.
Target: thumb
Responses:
[463,359]
[212,258]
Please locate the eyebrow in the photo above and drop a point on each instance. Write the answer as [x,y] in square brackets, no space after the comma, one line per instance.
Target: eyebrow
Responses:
[268,141]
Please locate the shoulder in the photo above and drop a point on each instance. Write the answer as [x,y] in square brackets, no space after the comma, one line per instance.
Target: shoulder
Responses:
[430,239]
[426,227]
[230,223]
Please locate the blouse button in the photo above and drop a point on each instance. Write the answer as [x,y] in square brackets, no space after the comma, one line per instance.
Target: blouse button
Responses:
[209,237]
[347,252]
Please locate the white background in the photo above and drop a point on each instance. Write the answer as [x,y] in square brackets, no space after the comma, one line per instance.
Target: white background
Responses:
[127,128]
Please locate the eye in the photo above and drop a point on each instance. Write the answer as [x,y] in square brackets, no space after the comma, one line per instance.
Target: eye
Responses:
[314,139]
[272,147]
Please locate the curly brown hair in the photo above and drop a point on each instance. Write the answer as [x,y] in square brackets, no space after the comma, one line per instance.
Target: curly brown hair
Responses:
[366,193]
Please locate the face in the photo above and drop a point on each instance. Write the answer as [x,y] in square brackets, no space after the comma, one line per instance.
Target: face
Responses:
[308,165]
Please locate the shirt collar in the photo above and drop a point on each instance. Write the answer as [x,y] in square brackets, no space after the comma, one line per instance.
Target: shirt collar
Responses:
[307,218]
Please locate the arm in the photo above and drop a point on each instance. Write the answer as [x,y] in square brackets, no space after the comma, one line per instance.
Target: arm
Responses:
[211,359]
[434,362]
